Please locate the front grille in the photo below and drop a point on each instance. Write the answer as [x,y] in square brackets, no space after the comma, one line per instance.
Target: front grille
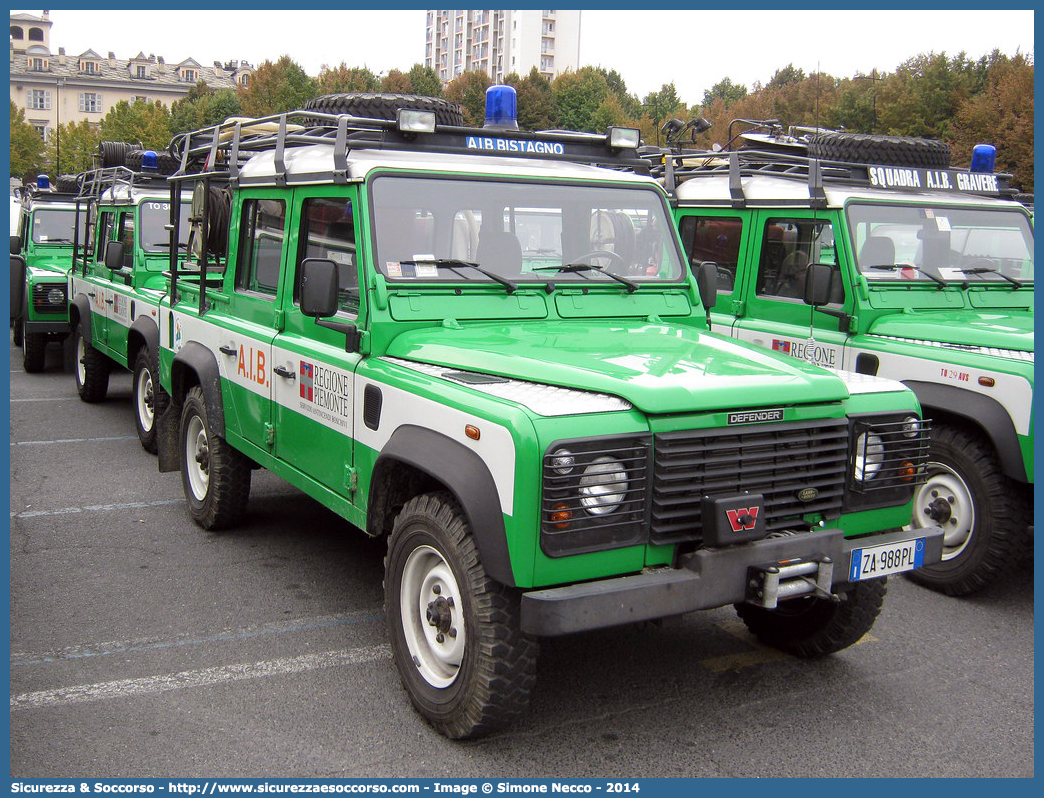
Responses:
[49,297]
[779,461]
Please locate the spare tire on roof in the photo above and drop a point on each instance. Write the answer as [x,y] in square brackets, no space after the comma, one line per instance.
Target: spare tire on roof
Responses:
[165,162]
[67,184]
[876,149]
[114,153]
[385,106]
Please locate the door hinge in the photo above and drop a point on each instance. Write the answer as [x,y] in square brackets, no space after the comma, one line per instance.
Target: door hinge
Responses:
[738,306]
[269,433]
[351,478]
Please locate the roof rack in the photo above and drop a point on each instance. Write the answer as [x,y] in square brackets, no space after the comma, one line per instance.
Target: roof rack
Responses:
[677,166]
[119,181]
[222,150]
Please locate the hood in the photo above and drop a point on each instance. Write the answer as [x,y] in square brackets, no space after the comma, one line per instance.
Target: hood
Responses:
[1009,330]
[658,368]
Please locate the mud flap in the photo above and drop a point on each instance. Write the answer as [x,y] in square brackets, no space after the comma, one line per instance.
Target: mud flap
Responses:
[167,445]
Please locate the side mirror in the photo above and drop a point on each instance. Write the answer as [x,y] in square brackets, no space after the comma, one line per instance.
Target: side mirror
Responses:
[16,245]
[318,287]
[114,255]
[818,280]
[707,282]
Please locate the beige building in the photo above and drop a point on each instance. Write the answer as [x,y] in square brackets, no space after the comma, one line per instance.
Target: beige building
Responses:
[56,88]
[501,42]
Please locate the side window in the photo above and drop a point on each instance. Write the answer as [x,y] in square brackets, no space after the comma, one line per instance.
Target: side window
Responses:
[714,239]
[261,234]
[104,234]
[788,246]
[328,232]
[126,235]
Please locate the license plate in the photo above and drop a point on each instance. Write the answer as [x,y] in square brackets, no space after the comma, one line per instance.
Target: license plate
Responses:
[891,558]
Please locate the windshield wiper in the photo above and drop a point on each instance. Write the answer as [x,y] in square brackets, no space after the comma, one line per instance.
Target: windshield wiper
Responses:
[588,267]
[984,270]
[893,266]
[56,241]
[454,263]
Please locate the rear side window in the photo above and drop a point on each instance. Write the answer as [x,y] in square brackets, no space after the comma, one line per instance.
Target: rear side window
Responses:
[262,232]
[714,239]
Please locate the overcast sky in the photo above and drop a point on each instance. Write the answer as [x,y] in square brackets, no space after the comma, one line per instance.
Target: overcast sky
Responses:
[694,49]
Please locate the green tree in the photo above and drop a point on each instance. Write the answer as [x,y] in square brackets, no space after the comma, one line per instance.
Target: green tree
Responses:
[468,90]
[203,109]
[628,102]
[71,147]
[785,77]
[424,81]
[921,97]
[396,82]
[536,111]
[577,96]
[726,90]
[344,79]
[144,122]
[27,148]
[662,105]
[609,113]
[277,87]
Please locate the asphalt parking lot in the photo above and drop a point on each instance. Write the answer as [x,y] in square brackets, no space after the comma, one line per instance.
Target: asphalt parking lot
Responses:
[143,646]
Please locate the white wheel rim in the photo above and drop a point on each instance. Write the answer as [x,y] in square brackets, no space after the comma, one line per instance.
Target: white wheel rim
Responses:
[946,500]
[432,621]
[197,458]
[144,394]
[81,351]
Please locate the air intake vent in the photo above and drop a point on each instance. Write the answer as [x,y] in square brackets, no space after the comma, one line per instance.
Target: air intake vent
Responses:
[372,398]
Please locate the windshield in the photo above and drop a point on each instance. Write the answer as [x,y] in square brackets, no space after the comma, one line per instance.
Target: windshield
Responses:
[155,216]
[442,229]
[925,243]
[53,226]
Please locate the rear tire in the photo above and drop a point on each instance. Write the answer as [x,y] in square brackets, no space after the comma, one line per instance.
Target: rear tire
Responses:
[91,369]
[456,634]
[215,476]
[815,627]
[147,393]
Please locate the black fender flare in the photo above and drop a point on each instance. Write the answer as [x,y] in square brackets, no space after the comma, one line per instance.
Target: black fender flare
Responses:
[195,358]
[82,308]
[18,278]
[469,480]
[981,412]
[147,328]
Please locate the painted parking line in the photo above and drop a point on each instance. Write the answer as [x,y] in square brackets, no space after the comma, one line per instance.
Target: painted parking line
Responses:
[205,677]
[76,440]
[93,508]
[44,399]
[153,643]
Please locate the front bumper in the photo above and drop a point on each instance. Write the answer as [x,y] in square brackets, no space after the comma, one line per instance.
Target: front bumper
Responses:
[706,578]
[39,327]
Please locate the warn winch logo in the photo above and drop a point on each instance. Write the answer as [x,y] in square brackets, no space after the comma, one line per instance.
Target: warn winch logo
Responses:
[742,518]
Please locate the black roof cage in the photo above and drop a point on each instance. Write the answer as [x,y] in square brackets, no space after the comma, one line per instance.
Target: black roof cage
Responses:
[32,194]
[221,150]
[96,182]
[674,167]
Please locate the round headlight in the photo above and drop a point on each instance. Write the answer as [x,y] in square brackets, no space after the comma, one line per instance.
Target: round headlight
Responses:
[603,486]
[869,456]
[562,461]
[55,296]
[911,426]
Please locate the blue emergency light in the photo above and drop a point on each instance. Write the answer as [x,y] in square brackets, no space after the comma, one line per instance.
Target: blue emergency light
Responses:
[43,181]
[501,108]
[984,157]
[149,161]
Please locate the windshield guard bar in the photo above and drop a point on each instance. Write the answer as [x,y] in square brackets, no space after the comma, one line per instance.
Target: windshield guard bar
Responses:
[675,167]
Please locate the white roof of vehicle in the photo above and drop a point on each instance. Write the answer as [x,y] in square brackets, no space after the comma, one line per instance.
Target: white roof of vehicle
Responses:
[318,160]
[767,189]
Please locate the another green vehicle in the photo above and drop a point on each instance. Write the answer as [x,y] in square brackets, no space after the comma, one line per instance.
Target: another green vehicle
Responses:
[484,346]
[39,304]
[930,273]
[117,283]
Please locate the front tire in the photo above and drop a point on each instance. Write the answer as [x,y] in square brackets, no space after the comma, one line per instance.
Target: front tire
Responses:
[980,510]
[456,635]
[815,627]
[215,476]
[34,352]
[91,369]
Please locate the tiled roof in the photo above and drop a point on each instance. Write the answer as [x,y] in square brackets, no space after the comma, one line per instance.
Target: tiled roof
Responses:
[160,75]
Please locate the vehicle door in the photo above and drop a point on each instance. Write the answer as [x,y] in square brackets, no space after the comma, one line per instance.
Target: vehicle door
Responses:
[720,237]
[312,374]
[118,288]
[94,279]
[773,312]
[249,317]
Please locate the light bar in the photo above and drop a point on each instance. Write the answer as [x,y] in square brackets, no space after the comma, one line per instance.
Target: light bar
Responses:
[624,138]
[412,121]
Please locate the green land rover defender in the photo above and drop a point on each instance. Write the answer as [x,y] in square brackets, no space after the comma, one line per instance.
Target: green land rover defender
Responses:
[929,280]
[483,345]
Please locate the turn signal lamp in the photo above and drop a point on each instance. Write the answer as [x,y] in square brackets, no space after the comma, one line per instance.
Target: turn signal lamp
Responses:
[412,121]
[501,107]
[561,515]
[984,156]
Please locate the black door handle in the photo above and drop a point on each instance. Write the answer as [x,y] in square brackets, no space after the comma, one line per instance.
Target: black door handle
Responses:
[231,351]
[285,372]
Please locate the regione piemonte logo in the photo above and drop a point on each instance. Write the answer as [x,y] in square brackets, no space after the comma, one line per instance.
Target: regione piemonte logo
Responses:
[307,380]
